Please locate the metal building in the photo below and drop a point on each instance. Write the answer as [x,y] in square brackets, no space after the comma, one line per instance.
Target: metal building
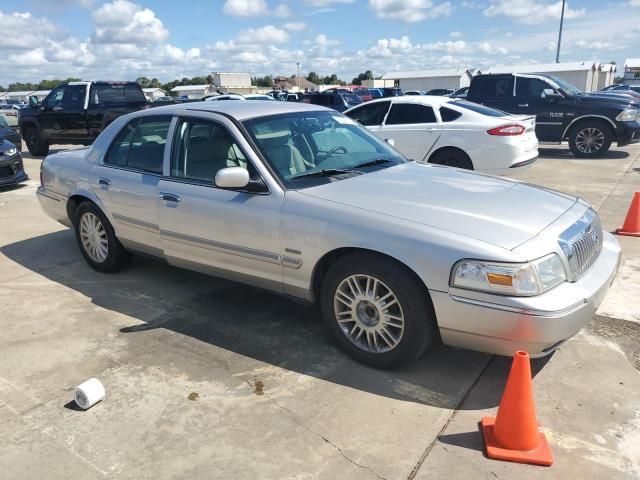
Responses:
[429,79]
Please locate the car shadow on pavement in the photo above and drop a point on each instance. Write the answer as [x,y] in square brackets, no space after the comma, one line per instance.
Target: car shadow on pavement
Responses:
[251,322]
[563,153]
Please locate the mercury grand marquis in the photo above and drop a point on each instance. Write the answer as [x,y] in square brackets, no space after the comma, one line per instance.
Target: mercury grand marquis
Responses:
[301,200]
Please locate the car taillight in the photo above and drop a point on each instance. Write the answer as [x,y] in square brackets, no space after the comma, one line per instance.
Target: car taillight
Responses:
[507,130]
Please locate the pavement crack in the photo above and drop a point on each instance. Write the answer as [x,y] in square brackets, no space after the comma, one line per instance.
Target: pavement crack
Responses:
[299,422]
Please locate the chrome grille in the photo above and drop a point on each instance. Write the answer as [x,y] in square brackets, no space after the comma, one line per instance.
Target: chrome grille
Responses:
[582,243]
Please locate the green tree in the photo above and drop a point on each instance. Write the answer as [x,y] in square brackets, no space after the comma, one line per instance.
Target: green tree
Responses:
[313,77]
[143,81]
[266,81]
[368,75]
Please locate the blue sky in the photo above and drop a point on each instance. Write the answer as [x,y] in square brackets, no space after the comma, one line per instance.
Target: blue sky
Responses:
[168,39]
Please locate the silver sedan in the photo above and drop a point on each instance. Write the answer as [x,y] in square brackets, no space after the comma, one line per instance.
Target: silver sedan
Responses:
[302,201]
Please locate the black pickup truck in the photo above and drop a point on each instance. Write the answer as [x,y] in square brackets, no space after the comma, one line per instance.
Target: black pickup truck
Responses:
[76,112]
[590,122]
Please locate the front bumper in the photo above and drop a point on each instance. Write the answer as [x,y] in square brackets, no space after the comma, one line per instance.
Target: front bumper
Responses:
[538,325]
[628,132]
[12,170]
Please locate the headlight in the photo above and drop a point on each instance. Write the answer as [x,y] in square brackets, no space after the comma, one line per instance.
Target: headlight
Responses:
[517,279]
[10,152]
[628,115]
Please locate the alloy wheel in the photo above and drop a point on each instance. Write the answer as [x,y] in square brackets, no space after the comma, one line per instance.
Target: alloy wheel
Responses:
[589,140]
[369,313]
[94,237]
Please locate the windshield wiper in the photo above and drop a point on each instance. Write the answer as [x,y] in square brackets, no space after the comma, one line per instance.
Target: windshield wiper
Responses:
[371,163]
[327,172]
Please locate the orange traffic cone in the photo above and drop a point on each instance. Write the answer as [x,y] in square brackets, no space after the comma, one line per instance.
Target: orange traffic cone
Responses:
[513,434]
[632,222]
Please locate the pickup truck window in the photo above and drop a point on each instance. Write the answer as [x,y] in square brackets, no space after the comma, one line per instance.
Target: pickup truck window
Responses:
[201,148]
[55,97]
[530,88]
[74,96]
[140,144]
[116,93]
[493,87]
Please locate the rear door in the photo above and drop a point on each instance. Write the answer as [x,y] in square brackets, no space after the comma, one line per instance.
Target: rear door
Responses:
[109,100]
[127,181]
[413,128]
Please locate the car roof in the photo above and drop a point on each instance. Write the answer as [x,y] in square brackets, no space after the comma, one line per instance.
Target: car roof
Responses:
[238,110]
[432,100]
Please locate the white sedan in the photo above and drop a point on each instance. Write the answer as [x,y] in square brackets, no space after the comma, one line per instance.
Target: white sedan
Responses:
[452,132]
[236,96]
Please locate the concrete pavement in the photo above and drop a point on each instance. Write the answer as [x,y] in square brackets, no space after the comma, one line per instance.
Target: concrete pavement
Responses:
[210,379]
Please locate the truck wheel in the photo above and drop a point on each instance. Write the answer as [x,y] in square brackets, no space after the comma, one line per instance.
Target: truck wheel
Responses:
[452,157]
[37,146]
[590,139]
[97,240]
[377,310]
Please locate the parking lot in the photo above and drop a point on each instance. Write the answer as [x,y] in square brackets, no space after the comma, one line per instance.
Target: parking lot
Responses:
[207,378]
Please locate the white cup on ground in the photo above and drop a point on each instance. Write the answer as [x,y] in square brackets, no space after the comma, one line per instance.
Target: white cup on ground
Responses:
[88,393]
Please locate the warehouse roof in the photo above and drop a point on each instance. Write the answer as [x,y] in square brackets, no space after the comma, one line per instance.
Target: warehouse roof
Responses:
[434,73]
[182,88]
[632,63]
[541,67]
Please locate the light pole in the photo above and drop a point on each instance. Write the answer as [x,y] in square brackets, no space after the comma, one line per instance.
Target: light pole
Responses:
[298,76]
[560,33]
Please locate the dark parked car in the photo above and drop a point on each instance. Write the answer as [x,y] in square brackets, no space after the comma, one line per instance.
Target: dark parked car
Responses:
[375,92]
[9,131]
[442,92]
[363,93]
[339,99]
[589,121]
[460,93]
[621,88]
[11,167]
[77,112]
[392,92]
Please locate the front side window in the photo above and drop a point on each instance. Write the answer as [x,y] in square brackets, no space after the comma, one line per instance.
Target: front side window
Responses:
[140,144]
[308,148]
[203,147]
[55,98]
[410,113]
[530,88]
[75,96]
[370,115]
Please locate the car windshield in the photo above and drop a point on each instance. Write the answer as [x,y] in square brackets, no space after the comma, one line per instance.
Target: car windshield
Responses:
[375,93]
[476,107]
[566,87]
[3,122]
[310,148]
[8,119]
[351,98]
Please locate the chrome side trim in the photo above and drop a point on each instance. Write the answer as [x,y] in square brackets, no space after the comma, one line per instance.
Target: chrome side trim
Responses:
[290,262]
[548,123]
[133,222]
[222,247]
[518,310]
[588,116]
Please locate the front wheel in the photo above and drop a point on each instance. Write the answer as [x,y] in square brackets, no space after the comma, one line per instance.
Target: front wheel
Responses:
[97,240]
[37,146]
[377,310]
[590,139]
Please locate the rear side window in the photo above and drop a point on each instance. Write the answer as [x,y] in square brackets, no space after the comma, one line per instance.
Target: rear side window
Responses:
[493,87]
[320,100]
[407,113]
[140,144]
[370,114]
[116,93]
[449,115]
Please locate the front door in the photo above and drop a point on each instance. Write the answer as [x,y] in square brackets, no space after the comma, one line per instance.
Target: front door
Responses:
[530,101]
[413,128]
[229,233]
[127,181]
[73,117]
[51,115]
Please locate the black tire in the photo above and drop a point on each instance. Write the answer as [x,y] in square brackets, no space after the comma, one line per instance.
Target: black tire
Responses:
[37,146]
[452,157]
[116,256]
[420,326]
[600,134]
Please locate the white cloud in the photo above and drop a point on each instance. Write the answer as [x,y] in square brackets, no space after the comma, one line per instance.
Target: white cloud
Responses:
[282,11]
[455,34]
[634,3]
[294,26]
[245,8]
[531,12]
[325,3]
[123,21]
[410,11]
[267,34]
[323,41]
[598,45]
[31,58]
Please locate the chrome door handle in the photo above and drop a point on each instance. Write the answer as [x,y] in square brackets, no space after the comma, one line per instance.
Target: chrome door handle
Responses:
[104,181]
[169,197]
[523,104]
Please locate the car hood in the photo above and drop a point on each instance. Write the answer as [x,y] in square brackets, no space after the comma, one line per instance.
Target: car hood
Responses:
[623,101]
[495,210]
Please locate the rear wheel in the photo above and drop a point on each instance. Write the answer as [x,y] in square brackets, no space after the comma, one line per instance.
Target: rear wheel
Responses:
[590,139]
[452,157]
[35,143]
[97,240]
[377,310]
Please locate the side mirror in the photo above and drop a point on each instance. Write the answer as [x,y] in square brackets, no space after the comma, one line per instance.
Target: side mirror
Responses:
[33,101]
[549,95]
[390,141]
[232,177]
